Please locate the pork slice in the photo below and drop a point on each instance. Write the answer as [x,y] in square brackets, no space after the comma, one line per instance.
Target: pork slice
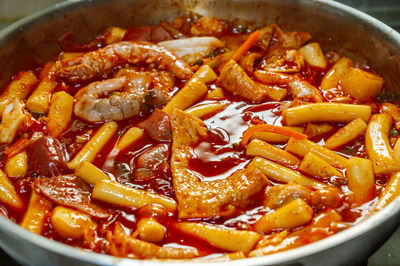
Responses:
[157,126]
[155,98]
[279,195]
[48,157]
[283,41]
[152,161]
[70,191]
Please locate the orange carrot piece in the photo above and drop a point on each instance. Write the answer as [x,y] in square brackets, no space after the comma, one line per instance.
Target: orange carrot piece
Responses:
[248,43]
[270,128]
[20,145]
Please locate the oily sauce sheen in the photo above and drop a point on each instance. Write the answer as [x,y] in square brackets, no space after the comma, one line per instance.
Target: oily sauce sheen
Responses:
[215,157]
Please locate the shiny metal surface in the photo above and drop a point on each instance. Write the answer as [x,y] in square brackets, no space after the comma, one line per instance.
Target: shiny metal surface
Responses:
[336,27]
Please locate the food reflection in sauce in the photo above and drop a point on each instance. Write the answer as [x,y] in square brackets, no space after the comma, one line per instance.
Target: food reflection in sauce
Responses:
[199,138]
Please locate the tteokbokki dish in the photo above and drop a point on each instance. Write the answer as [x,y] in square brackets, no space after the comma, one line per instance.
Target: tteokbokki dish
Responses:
[196,138]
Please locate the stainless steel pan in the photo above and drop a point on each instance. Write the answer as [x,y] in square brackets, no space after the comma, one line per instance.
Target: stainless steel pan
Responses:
[335,26]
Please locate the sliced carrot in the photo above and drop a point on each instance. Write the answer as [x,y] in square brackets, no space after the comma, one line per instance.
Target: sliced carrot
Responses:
[270,128]
[20,145]
[248,43]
